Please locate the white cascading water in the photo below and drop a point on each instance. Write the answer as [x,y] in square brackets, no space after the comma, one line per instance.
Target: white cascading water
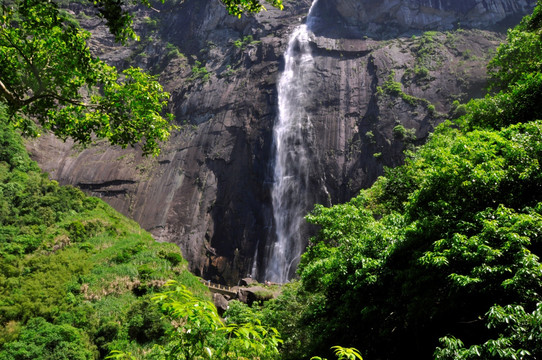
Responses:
[291,174]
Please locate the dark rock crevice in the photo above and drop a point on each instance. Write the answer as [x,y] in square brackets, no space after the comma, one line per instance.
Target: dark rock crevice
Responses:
[102,185]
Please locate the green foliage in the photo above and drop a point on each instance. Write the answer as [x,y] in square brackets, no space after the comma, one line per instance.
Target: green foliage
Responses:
[40,340]
[466,237]
[401,133]
[49,76]
[393,88]
[390,192]
[516,81]
[247,40]
[288,314]
[520,55]
[521,102]
[441,256]
[519,337]
[75,276]
[343,354]
[241,313]
[427,57]
[201,333]
[173,51]
[238,7]
[199,71]
[145,323]
[50,80]
[173,258]
[457,110]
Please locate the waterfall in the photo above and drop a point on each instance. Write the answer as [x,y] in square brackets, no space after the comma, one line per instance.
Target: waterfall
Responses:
[292,134]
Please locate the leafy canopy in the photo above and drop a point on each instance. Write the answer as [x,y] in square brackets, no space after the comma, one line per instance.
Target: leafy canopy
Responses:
[199,332]
[441,256]
[49,78]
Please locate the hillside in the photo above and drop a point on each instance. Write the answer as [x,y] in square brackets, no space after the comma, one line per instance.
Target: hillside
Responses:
[75,275]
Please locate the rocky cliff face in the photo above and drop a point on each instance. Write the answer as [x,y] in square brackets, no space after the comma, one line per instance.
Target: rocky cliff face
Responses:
[392,18]
[209,191]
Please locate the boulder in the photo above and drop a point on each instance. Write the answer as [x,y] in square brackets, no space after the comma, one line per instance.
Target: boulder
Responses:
[254,294]
[221,303]
[247,281]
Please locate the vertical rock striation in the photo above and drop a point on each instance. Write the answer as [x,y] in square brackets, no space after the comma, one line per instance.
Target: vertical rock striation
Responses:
[210,189]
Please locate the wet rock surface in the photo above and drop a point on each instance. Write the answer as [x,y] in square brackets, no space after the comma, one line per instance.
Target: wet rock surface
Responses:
[209,190]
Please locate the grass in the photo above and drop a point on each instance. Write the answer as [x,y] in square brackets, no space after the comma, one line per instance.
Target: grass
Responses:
[74,261]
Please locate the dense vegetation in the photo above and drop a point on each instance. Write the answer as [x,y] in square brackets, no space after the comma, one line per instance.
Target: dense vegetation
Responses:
[76,277]
[80,281]
[441,257]
[51,80]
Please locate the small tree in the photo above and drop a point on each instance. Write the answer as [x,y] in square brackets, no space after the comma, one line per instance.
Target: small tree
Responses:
[50,80]
[200,334]
[343,354]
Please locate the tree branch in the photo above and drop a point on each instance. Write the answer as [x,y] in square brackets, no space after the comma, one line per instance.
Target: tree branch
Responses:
[55,97]
[28,61]
[13,100]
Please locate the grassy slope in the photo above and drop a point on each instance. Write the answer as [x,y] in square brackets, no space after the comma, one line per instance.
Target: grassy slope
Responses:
[72,268]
